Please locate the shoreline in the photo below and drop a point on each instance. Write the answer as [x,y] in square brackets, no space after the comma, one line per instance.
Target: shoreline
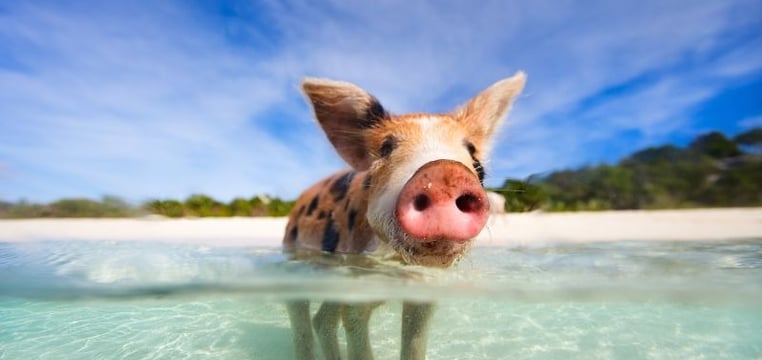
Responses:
[512,229]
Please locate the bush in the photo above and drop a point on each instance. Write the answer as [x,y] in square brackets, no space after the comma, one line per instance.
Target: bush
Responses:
[521,195]
[168,208]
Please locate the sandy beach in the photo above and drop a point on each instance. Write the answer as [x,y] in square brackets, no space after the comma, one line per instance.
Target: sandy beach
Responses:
[502,230]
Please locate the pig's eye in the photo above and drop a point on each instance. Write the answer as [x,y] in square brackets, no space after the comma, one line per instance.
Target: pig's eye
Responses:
[476,163]
[470,146]
[389,144]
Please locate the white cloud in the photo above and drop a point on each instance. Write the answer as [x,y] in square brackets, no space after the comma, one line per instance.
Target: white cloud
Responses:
[751,122]
[151,99]
[139,112]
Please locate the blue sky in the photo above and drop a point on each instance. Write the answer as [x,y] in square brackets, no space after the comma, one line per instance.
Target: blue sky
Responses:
[146,99]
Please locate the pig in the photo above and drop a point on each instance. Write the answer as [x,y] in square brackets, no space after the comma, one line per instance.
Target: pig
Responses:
[414,192]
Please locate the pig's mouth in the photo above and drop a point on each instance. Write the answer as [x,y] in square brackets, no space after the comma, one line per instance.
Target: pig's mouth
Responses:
[437,213]
[439,252]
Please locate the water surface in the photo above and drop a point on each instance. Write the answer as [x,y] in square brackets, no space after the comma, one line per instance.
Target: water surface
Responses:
[618,300]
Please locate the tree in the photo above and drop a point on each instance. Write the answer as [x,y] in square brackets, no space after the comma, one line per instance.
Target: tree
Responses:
[169,208]
[520,195]
[259,205]
[203,205]
[240,207]
[615,187]
[751,139]
[114,206]
[716,145]
[711,171]
[278,207]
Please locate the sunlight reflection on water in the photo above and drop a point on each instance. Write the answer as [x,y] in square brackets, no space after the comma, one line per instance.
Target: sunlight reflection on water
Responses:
[612,300]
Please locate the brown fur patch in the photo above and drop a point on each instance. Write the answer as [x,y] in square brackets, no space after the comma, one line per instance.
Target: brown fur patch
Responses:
[347,220]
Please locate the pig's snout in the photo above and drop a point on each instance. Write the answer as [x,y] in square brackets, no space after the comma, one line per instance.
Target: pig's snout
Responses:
[443,200]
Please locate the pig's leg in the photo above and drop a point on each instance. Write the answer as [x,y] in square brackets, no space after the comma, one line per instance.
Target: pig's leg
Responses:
[301,330]
[326,324]
[355,318]
[415,329]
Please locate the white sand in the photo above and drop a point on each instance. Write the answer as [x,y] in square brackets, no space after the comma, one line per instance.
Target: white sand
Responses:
[502,230]
[661,225]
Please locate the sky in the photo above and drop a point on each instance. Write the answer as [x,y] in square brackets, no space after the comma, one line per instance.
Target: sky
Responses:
[163,99]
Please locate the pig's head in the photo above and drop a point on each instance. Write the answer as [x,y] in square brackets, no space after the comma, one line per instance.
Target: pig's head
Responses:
[425,194]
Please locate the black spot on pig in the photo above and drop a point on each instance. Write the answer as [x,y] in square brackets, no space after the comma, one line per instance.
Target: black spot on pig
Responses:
[330,237]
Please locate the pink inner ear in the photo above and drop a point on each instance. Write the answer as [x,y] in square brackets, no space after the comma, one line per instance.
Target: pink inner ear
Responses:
[353,151]
[344,111]
[485,111]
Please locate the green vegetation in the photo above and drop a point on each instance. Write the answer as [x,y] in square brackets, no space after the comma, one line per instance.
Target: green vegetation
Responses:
[204,206]
[521,196]
[713,171]
[107,207]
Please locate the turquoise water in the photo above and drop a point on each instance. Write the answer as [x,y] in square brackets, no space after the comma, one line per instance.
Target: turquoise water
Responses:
[619,300]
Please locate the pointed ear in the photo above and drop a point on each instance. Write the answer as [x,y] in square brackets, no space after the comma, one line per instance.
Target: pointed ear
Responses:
[485,112]
[344,110]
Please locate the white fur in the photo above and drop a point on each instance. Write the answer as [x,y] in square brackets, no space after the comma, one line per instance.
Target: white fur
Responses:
[435,144]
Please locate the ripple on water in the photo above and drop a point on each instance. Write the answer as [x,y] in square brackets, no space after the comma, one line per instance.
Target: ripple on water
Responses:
[615,300]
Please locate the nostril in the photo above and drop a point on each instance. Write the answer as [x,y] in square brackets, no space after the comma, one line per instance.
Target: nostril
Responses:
[468,203]
[421,202]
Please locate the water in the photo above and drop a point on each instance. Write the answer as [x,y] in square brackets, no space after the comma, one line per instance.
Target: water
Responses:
[619,300]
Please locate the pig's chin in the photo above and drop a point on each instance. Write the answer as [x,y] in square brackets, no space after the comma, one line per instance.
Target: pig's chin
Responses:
[425,252]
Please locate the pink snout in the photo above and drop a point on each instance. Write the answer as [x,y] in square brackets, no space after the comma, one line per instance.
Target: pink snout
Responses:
[443,201]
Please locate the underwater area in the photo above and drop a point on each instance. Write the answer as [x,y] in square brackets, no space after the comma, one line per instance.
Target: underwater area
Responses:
[613,300]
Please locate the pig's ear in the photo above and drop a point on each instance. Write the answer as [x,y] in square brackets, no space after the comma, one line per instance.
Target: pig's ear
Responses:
[344,111]
[485,112]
